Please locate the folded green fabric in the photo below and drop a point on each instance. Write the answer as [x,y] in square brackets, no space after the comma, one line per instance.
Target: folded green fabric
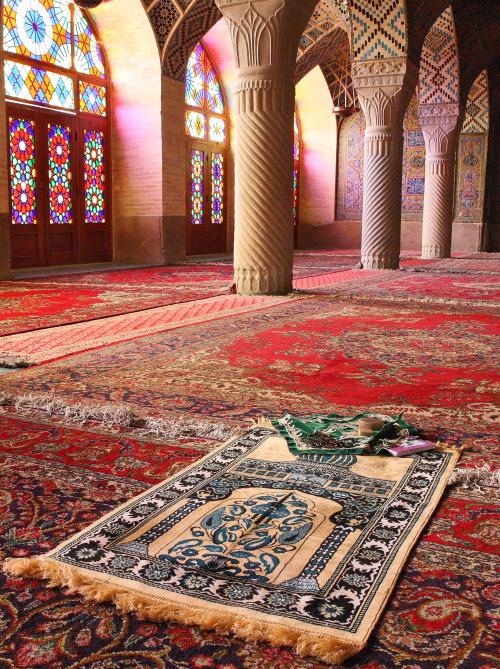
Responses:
[333,434]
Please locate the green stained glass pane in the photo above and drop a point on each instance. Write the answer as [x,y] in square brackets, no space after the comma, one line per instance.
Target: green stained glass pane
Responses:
[217,188]
[38,29]
[37,85]
[94,176]
[197,185]
[59,159]
[217,129]
[92,98]
[196,124]
[23,194]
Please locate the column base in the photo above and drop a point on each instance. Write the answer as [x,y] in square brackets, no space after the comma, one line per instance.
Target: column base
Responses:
[262,281]
[430,252]
[380,262]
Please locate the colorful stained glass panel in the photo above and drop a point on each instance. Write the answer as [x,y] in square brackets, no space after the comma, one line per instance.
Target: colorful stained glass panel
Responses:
[196,124]
[197,186]
[38,29]
[60,205]
[92,98]
[88,54]
[217,188]
[202,85]
[94,176]
[37,85]
[195,79]
[217,129]
[22,172]
[295,196]
[296,139]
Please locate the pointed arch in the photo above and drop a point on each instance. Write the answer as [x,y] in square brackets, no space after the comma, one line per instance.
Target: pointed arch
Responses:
[439,76]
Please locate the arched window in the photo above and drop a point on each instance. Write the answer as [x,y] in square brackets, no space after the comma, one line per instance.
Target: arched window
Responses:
[206,127]
[57,105]
[296,178]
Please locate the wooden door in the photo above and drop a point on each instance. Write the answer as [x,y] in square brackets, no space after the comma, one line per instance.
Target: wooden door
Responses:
[206,220]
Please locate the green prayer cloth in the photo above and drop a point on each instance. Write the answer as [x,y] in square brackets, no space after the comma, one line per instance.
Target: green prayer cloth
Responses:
[333,434]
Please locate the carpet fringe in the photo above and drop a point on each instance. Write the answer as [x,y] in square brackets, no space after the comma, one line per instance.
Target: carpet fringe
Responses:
[304,643]
[476,477]
[14,361]
[118,414]
[414,298]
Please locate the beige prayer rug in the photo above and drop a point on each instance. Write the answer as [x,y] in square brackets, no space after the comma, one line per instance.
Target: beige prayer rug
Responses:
[295,550]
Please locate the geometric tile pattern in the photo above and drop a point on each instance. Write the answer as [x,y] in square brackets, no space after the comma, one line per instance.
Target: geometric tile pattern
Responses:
[478,108]
[412,192]
[471,171]
[439,73]
[350,168]
[379,29]
[336,69]
[163,15]
[197,21]
[325,17]
[92,98]
[334,46]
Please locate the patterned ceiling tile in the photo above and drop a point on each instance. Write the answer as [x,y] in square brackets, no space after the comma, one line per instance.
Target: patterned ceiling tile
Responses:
[324,19]
[477,109]
[198,20]
[439,74]
[334,44]
[163,15]
[379,29]
[337,72]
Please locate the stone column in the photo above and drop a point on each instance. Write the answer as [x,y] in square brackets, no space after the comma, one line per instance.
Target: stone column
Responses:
[265,36]
[441,123]
[384,88]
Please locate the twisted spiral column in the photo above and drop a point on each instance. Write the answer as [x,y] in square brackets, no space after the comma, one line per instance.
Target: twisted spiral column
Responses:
[263,240]
[384,87]
[382,200]
[438,206]
[440,126]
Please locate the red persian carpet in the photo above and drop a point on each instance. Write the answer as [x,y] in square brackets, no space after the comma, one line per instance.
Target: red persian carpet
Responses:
[31,304]
[437,363]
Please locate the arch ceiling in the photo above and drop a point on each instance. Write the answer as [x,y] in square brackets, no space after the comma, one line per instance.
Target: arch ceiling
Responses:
[380,29]
[439,71]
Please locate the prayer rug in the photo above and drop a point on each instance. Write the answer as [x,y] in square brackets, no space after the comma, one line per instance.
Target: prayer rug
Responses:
[298,551]
[71,298]
[442,613]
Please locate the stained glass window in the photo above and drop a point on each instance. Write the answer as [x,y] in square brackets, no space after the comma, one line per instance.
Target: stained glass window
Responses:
[217,131]
[217,188]
[88,54]
[38,29]
[197,185]
[296,138]
[92,98]
[296,173]
[94,176]
[196,124]
[22,171]
[60,204]
[202,85]
[38,85]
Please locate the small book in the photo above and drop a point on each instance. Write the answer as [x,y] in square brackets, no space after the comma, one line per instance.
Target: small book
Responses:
[408,447]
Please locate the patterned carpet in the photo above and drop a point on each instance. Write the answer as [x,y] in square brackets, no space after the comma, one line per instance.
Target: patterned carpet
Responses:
[315,355]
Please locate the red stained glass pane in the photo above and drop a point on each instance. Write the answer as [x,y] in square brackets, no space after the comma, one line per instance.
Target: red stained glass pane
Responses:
[23,172]
[60,205]
[94,176]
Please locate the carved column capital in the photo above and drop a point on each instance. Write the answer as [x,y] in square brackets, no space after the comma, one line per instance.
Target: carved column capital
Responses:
[266,32]
[384,88]
[440,124]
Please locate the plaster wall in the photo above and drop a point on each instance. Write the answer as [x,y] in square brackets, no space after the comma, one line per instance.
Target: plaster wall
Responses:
[136,133]
[317,227]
